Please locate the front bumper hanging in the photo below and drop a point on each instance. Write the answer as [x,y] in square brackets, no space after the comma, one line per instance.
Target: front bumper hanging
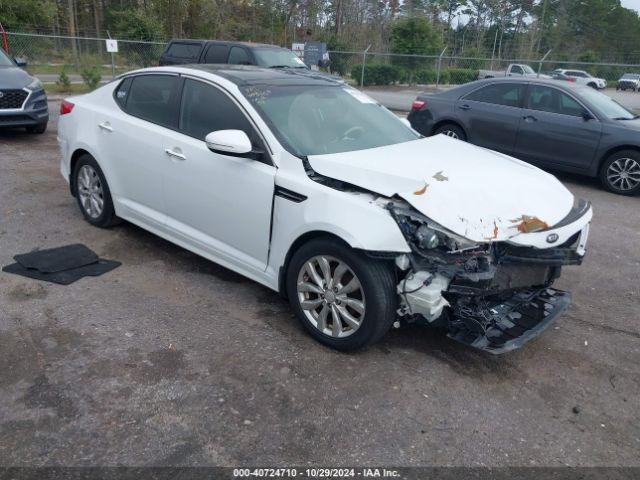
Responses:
[504,325]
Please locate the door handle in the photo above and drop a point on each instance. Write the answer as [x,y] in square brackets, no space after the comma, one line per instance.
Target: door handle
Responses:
[464,107]
[530,118]
[175,154]
[106,126]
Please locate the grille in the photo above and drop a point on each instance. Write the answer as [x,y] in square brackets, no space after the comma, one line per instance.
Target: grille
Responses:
[12,98]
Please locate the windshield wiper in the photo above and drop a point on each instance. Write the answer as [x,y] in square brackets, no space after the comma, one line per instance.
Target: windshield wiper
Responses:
[627,118]
[287,66]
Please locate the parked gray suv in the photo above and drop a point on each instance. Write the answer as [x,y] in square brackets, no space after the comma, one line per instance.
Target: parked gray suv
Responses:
[23,102]
[555,125]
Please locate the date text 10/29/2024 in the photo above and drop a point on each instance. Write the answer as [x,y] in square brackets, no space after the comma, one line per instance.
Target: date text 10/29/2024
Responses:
[315,473]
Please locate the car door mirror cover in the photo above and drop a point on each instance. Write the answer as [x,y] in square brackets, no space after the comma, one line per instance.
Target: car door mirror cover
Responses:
[235,142]
[586,116]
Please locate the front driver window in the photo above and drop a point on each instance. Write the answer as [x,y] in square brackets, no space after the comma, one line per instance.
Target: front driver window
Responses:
[547,99]
[205,109]
[238,56]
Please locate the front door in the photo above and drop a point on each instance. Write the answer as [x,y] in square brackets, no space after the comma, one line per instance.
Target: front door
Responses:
[556,130]
[221,202]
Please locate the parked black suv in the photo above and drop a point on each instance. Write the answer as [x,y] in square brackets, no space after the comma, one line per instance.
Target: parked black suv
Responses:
[235,53]
[23,102]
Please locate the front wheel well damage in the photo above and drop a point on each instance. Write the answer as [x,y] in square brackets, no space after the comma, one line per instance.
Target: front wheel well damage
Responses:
[299,242]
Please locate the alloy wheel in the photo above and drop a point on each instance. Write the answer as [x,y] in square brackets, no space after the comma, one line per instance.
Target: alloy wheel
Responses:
[331,296]
[451,133]
[90,191]
[624,174]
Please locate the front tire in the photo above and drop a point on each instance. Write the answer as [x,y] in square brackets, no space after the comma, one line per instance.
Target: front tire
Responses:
[92,193]
[451,130]
[343,298]
[620,173]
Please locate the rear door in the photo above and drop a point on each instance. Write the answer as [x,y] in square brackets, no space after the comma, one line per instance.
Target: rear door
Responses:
[491,115]
[181,52]
[131,137]
[554,130]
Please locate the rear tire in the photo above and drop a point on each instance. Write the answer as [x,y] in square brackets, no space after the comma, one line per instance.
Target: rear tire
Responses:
[370,297]
[451,130]
[620,172]
[39,128]
[92,193]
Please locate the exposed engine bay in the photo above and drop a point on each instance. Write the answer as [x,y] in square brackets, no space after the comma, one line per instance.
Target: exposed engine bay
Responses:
[494,296]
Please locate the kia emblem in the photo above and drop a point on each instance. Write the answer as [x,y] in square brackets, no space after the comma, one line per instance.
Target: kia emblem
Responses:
[552,238]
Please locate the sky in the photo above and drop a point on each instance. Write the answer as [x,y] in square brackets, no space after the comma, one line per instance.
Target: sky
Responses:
[635,4]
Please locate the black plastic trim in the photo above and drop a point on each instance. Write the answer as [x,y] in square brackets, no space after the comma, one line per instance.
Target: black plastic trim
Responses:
[289,194]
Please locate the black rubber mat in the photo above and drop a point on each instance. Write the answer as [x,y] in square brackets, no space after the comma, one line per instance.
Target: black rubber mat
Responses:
[62,265]
[57,259]
[64,277]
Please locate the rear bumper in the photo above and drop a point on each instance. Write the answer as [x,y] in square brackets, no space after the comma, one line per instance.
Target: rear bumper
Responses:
[421,121]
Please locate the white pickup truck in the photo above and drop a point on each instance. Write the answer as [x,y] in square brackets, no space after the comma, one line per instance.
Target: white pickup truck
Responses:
[514,70]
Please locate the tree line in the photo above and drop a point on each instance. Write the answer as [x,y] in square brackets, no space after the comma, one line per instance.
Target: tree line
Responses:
[582,30]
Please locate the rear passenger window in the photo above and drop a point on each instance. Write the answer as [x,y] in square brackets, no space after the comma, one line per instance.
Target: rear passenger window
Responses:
[151,97]
[206,109]
[508,94]
[216,54]
[185,50]
[122,92]
[239,56]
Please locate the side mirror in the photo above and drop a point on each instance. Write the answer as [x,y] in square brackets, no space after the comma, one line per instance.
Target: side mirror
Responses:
[586,116]
[21,62]
[234,142]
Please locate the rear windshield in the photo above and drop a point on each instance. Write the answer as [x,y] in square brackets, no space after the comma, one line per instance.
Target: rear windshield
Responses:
[184,50]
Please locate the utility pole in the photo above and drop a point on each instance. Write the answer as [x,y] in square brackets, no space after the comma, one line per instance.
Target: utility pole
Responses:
[72,30]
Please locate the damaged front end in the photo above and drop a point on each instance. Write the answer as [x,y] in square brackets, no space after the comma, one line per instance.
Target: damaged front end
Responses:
[492,295]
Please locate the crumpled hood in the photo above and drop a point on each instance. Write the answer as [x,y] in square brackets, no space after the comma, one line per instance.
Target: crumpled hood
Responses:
[14,77]
[474,192]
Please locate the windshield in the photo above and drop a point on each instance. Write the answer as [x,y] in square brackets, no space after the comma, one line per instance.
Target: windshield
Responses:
[4,60]
[606,105]
[316,120]
[527,69]
[630,76]
[277,57]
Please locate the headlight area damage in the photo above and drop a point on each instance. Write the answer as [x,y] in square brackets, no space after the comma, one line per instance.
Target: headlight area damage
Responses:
[494,296]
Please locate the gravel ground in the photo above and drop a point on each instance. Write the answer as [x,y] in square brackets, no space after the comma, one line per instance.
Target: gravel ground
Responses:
[173,360]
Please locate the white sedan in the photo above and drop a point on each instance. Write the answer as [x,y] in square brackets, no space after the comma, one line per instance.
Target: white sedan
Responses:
[313,189]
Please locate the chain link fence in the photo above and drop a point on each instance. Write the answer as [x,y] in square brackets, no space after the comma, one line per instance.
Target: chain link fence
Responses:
[389,69]
[51,54]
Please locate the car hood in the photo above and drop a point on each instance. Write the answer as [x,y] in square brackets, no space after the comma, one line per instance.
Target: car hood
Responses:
[14,77]
[477,193]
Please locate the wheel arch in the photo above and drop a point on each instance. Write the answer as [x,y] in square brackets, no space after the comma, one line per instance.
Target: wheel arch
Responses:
[446,121]
[77,153]
[295,246]
[611,151]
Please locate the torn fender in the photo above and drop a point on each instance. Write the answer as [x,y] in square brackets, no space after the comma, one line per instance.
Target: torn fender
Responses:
[474,192]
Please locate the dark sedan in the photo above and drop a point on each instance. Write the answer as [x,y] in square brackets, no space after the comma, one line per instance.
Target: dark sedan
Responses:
[555,125]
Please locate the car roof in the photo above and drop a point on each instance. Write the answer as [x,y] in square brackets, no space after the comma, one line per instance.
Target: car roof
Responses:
[544,81]
[243,75]
[224,42]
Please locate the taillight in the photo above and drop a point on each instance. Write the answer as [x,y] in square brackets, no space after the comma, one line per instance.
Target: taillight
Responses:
[418,104]
[66,107]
